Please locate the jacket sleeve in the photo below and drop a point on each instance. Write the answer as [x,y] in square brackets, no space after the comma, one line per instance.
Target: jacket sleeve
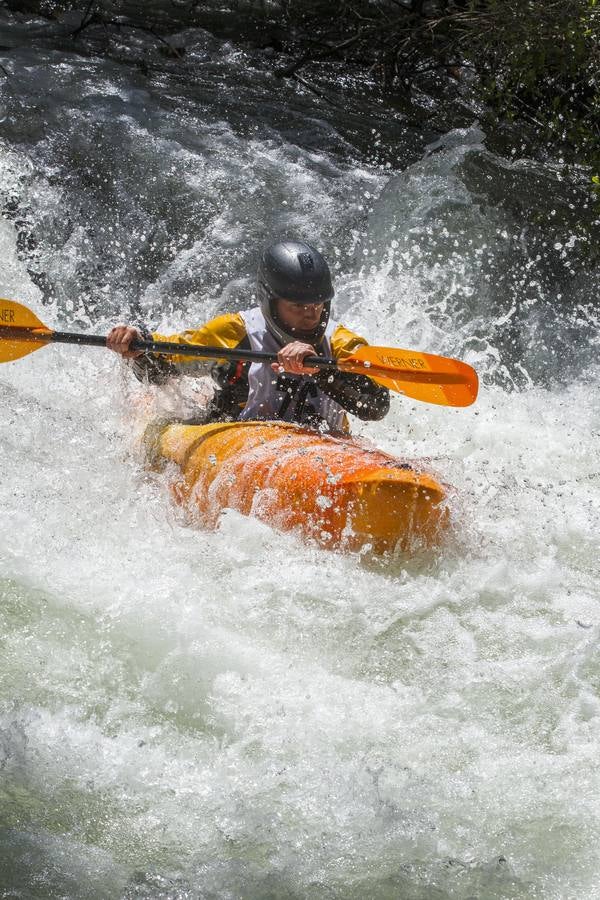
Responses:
[357,394]
[225,331]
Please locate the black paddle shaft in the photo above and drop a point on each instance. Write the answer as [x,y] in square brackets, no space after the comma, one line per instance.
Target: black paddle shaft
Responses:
[169,348]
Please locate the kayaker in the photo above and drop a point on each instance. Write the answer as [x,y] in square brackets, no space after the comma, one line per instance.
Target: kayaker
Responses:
[293,320]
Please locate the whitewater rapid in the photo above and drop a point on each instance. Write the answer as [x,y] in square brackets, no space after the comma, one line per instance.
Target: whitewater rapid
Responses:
[238,714]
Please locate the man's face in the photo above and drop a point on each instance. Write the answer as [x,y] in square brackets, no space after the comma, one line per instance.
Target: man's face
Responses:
[299,316]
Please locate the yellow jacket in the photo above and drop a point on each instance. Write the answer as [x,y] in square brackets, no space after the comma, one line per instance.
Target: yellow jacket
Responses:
[249,390]
[229,331]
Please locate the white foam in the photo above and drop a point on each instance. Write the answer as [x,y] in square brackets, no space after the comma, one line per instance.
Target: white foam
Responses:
[235,707]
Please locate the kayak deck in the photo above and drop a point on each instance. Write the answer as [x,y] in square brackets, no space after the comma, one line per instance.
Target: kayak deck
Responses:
[331,489]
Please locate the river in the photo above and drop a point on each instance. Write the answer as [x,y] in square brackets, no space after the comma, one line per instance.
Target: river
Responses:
[238,714]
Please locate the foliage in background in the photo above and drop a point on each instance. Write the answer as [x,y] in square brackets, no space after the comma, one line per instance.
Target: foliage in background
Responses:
[541,62]
[536,61]
[532,62]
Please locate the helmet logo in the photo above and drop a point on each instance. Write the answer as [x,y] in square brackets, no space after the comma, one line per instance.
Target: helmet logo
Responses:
[306,262]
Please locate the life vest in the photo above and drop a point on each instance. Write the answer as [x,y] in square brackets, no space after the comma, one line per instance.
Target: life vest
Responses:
[291,398]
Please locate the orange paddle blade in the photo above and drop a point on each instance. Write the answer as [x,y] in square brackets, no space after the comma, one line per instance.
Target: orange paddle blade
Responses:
[422,376]
[21,332]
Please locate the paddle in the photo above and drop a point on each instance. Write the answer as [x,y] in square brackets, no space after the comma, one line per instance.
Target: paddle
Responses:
[421,376]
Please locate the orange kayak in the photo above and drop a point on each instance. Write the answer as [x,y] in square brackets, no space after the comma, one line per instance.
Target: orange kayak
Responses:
[334,490]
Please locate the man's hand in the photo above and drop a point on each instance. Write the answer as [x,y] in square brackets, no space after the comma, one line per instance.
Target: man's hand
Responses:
[119,339]
[291,359]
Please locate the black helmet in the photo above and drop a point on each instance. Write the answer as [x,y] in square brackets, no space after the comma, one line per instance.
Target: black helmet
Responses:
[292,270]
